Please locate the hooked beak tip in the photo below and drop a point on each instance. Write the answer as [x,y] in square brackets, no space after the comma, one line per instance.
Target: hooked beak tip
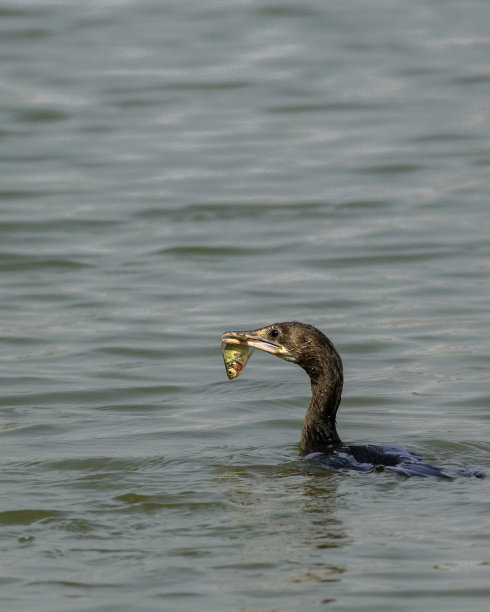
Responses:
[234,337]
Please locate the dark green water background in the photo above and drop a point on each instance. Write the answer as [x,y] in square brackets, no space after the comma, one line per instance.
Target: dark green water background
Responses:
[171,170]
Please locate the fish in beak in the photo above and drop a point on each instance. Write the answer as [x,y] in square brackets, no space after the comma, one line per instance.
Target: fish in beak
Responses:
[235,356]
[265,339]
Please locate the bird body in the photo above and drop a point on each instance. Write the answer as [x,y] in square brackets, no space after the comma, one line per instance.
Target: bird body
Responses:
[308,347]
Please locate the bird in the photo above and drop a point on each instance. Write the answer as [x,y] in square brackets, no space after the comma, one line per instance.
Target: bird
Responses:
[313,351]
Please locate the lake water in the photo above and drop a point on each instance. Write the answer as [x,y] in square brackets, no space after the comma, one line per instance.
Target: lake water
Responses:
[172,170]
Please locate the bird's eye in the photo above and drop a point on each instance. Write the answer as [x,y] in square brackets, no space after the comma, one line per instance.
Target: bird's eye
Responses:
[274,333]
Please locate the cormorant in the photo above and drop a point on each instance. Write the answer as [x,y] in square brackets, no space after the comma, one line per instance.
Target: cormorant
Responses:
[308,347]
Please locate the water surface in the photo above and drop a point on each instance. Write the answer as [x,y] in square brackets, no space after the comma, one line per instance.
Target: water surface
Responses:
[172,170]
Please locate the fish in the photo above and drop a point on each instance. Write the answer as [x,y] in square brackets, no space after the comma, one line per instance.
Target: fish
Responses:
[235,357]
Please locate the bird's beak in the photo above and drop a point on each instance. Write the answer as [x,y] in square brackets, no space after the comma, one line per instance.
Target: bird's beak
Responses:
[256,339]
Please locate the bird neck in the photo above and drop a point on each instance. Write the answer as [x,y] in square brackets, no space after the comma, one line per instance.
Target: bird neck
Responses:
[319,433]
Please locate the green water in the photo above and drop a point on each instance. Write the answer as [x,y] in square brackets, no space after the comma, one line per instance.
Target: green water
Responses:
[170,171]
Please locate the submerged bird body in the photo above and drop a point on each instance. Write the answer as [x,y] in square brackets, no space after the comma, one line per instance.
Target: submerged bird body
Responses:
[308,347]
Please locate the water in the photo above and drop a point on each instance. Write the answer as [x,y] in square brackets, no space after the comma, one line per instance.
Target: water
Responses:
[173,170]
